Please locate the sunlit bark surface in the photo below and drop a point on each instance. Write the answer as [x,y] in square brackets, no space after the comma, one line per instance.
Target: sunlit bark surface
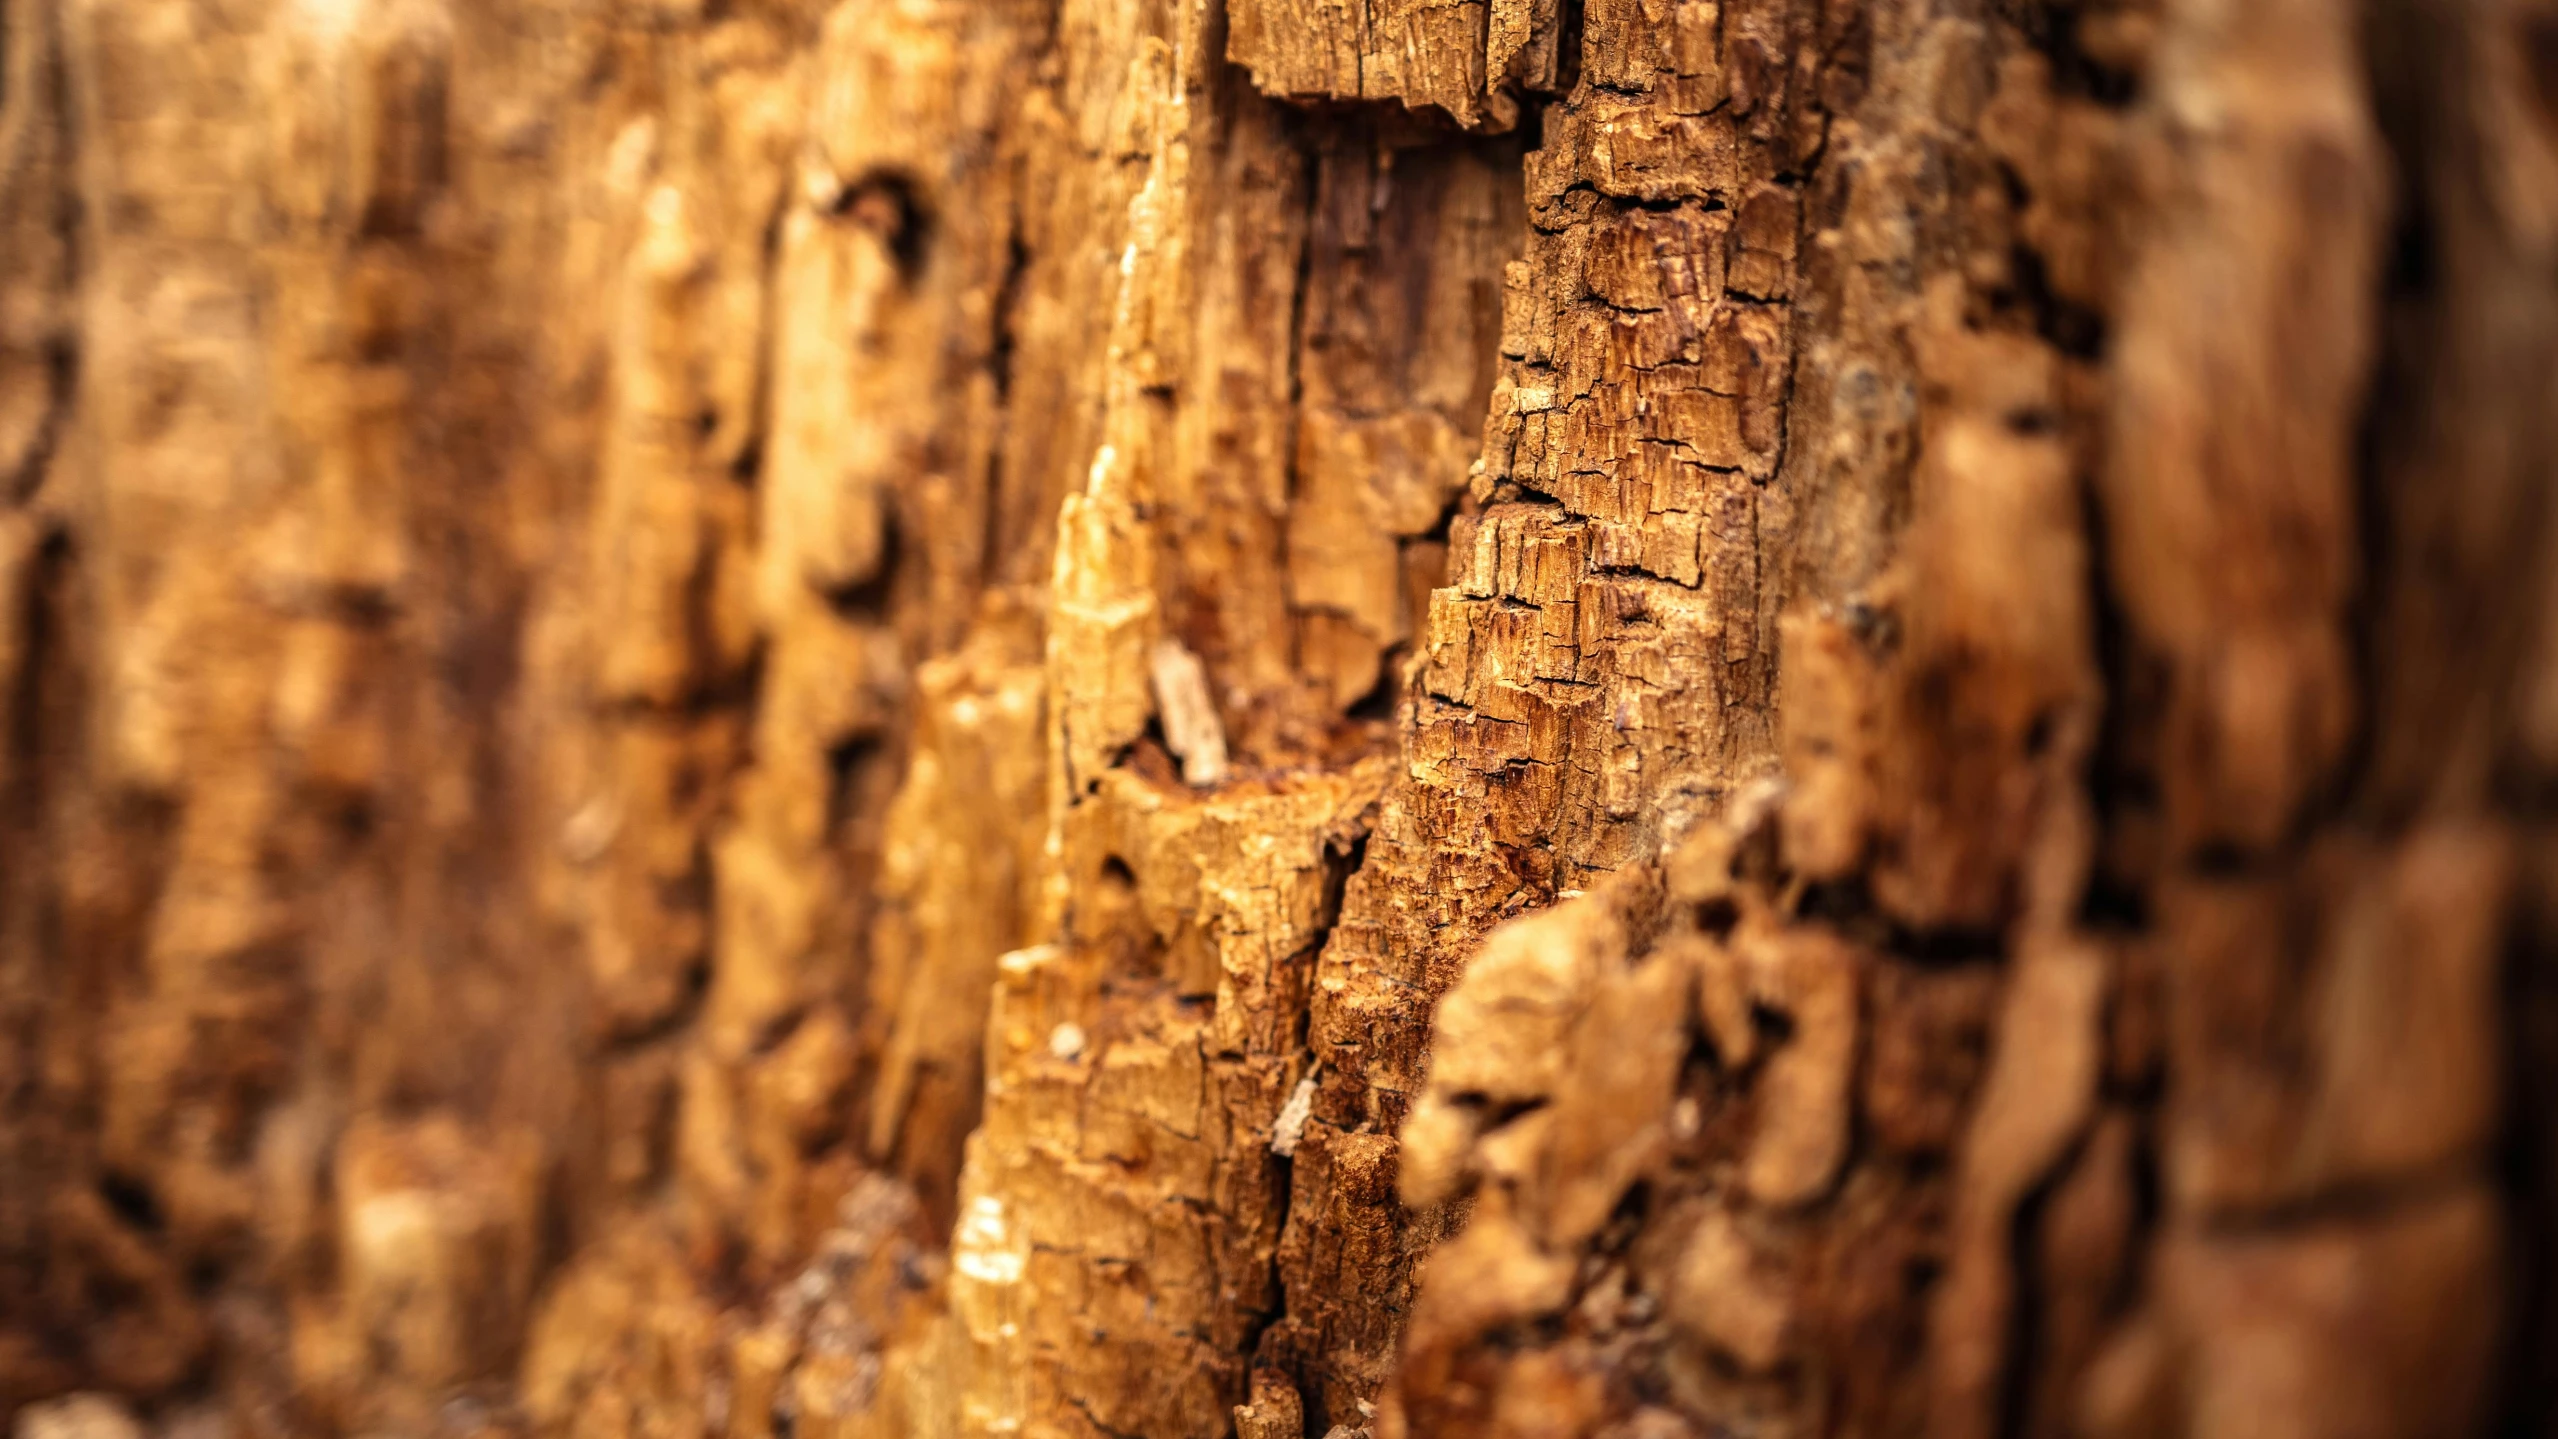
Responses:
[759,719]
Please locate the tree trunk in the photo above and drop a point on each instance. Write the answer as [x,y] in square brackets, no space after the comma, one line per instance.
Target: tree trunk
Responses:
[749,719]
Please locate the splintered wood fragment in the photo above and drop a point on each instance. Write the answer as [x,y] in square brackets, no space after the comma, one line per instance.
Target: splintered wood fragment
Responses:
[1192,730]
[1290,1127]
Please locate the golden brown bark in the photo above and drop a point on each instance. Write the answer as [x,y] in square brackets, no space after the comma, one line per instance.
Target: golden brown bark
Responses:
[783,719]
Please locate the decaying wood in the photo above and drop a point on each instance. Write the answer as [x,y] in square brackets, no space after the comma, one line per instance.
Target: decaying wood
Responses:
[797,719]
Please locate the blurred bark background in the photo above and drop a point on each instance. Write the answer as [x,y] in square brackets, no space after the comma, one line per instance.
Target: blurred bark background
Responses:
[759,719]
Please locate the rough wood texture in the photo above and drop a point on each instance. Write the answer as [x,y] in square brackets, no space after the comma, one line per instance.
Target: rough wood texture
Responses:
[770,719]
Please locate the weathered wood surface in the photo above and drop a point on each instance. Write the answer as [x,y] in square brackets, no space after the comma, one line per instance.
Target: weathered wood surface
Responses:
[785,720]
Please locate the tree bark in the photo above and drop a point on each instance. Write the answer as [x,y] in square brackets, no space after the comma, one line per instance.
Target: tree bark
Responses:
[766,719]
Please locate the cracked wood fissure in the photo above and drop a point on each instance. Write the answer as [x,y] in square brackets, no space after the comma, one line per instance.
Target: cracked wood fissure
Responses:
[807,719]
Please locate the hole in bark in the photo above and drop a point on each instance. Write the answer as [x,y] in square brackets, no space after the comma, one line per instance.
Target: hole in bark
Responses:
[999,363]
[889,205]
[1112,917]
[1836,900]
[1773,1025]
[2221,859]
[1338,865]
[1567,51]
[2113,904]
[1951,944]
[1625,1222]
[133,1202]
[2038,734]
[1382,698]
[1717,917]
[2070,327]
[2109,76]
[845,761]
[1491,1115]
[2412,262]
[869,595]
